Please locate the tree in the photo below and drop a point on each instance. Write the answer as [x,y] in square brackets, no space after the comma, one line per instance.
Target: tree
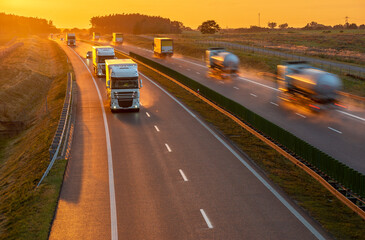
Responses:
[352,26]
[209,27]
[283,26]
[362,26]
[271,25]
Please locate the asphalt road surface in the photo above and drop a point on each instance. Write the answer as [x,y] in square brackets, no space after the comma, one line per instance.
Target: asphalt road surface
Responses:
[163,173]
[337,132]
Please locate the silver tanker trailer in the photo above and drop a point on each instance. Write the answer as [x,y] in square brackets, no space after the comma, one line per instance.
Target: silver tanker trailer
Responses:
[308,85]
[221,63]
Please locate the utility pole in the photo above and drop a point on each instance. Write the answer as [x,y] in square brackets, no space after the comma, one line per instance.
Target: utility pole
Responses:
[259,20]
[346,21]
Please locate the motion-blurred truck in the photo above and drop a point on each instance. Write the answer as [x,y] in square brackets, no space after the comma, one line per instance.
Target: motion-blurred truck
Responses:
[71,39]
[122,84]
[163,47]
[100,54]
[221,63]
[117,38]
[96,36]
[308,85]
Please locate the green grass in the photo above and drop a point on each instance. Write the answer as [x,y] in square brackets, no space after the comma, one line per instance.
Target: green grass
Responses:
[26,213]
[334,216]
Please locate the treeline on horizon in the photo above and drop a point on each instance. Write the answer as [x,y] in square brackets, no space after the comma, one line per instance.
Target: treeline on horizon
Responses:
[308,26]
[13,24]
[135,23]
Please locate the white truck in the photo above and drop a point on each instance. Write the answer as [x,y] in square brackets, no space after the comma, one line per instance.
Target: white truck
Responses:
[117,38]
[96,36]
[122,84]
[100,54]
[71,39]
[163,47]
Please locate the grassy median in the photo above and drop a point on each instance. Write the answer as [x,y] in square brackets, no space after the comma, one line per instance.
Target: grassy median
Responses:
[334,216]
[33,83]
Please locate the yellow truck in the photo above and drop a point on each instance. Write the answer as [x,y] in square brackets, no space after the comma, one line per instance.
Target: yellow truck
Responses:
[96,36]
[163,47]
[117,38]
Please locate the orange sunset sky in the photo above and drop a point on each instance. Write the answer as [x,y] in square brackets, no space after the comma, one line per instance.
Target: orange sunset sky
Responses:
[228,13]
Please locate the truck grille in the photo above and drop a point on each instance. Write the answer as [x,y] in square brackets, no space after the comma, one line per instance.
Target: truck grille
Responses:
[125,99]
[124,95]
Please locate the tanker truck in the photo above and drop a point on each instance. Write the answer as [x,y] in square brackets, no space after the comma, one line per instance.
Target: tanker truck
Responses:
[221,63]
[122,84]
[100,54]
[308,85]
[70,39]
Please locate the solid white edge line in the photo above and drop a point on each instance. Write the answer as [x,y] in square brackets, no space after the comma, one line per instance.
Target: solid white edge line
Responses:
[148,115]
[300,115]
[168,148]
[351,115]
[207,221]
[263,85]
[183,175]
[274,104]
[335,130]
[200,65]
[254,95]
[253,171]
[157,128]
[113,211]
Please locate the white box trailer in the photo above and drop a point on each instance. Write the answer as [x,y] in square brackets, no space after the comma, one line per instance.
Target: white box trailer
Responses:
[122,84]
[117,38]
[100,54]
[163,47]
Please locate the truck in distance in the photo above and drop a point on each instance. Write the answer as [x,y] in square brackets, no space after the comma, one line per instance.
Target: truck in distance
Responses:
[100,54]
[308,86]
[70,39]
[96,36]
[163,47]
[117,38]
[123,84]
[221,63]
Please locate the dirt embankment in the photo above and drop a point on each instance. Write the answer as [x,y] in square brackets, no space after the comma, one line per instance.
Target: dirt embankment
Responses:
[26,75]
[29,75]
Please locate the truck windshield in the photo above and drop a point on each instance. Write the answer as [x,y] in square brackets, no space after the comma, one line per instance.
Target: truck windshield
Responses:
[124,83]
[101,59]
[71,37]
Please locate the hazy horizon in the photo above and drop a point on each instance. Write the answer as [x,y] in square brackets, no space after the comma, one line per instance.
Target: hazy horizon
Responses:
[231,13]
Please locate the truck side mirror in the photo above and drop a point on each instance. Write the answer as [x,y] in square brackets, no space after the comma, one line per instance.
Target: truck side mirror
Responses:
[140,83]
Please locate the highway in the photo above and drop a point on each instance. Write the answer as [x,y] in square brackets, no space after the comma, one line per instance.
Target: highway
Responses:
[339,133]
[163,173]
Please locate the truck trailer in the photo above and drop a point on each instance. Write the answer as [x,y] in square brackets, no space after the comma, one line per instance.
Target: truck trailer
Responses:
[117,38]
[221,63]
[123,84]
[71,39]
[96,36]
[308,85]
[100,54]
[163,47]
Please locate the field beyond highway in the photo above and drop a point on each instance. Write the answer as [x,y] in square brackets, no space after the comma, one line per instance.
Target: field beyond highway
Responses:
[33,84]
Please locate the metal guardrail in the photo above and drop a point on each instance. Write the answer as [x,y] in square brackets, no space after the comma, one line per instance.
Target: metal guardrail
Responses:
[349,183]
[63,129]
